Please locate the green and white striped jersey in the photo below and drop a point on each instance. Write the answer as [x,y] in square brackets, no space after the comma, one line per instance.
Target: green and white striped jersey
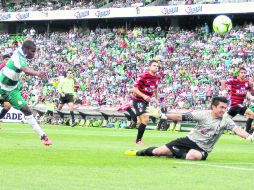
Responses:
[10,74]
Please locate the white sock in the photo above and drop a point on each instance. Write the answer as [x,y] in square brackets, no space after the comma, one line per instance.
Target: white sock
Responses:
[32,121]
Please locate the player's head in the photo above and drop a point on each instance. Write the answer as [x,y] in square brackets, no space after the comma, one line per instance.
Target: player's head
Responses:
[219,106]
[69,73]
[29,49]
[15,45]
[242,73]
[154,66]
[5,58]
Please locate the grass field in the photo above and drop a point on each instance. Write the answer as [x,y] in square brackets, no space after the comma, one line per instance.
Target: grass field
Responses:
[93,159]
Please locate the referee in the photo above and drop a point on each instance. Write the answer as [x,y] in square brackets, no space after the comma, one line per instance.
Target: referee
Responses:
[200,141]
[66,90]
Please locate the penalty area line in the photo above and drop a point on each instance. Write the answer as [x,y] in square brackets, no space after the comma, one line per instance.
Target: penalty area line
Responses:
[216,166]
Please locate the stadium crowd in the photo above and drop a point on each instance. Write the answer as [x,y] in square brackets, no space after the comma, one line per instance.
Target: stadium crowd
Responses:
[106,63]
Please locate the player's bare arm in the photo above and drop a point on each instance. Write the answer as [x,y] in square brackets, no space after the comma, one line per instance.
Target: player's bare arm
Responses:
[32,72]
[242,133]
[139,93]
[223,85]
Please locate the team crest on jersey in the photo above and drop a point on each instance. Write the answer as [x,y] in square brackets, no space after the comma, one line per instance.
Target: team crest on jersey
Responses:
[19,102]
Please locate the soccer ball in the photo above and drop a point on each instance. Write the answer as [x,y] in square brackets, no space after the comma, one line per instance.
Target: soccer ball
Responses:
[222,24]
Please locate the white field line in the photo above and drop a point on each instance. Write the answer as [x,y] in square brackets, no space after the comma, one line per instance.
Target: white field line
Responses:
[216,166]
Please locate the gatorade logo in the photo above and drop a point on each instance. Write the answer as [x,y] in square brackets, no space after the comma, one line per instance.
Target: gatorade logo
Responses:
[13,116]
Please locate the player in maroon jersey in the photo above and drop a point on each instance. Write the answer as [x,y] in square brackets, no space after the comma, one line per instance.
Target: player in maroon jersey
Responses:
[144,88]
[238,91]
[6,105]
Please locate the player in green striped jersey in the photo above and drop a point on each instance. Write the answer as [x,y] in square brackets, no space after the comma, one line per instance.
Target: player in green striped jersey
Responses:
[9,89]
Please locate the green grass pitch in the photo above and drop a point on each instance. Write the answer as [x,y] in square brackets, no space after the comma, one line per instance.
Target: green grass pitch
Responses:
[93,159]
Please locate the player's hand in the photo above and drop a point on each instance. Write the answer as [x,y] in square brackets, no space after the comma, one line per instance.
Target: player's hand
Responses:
[42,74]
[250,138]
[147,98]
[46,141]
[155,112]
[62,94]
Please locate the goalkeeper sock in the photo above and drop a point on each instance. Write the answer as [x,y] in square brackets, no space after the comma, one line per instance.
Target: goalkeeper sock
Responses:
[72,116]
[141,131]
[32,121]
[3,113]
[146,152]
[248,125]
[132,114]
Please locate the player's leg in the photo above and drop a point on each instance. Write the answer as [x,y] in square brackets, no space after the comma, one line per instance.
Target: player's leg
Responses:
[71,105]
[248,125]
[17,101]
[70,102]
[126,106]
[249,113]
[155,151]
[194,155]
[144,118]
[6,108]
[60,107]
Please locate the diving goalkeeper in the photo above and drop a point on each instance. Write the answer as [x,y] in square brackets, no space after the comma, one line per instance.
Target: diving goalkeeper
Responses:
[197,144]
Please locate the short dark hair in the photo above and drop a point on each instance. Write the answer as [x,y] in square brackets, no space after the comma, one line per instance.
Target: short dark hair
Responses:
[154,61]
[242,68]
[216,100]
[69,70]
[28,44]
[6,56]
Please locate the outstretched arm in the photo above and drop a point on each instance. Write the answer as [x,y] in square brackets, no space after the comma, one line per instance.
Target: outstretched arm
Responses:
[155,112]
[242,133]
[32,72]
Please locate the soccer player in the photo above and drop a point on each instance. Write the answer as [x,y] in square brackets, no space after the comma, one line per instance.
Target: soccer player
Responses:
[249,121]
[238,91]
[200,141]
[144,88]
[9,78]
[6,105]
[66,90]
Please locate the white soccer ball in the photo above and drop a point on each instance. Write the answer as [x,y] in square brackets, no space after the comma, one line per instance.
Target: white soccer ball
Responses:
[222,24]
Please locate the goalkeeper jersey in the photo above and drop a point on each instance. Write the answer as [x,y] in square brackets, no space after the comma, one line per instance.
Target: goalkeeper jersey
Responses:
[10,74]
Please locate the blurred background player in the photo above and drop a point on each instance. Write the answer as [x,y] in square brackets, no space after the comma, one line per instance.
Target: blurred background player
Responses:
[144,88]
[6,105]
[249,128]
[66,90]
[9,83]
[239,88]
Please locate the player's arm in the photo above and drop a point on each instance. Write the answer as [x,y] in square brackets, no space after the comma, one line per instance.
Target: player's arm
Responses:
[32,72]
[155,112]
[242,133]
[251,89]
[139,93]
[59,88]
[223,84]
[231,125]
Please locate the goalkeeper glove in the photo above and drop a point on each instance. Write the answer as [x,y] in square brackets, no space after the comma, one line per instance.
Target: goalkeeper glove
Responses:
[155,112]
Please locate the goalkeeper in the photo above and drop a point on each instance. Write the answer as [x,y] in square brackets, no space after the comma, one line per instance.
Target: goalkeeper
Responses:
[197,144]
